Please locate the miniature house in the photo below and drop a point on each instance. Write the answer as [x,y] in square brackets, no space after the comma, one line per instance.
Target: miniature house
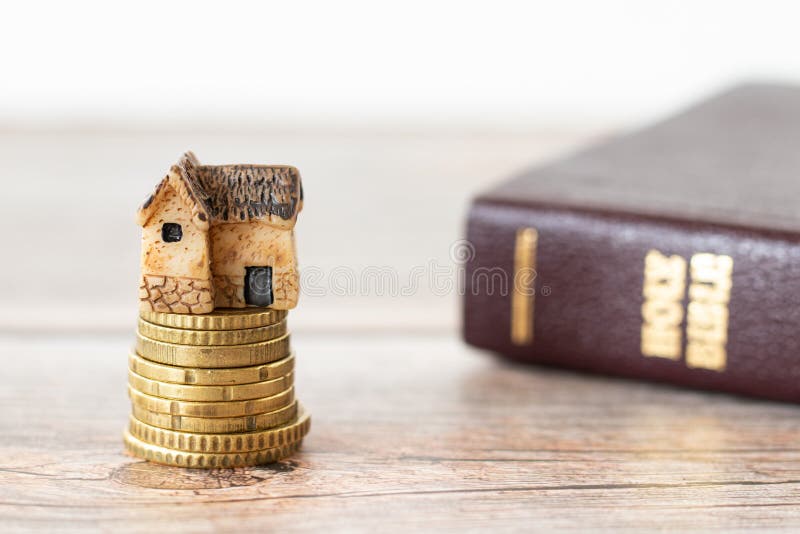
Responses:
[220,236]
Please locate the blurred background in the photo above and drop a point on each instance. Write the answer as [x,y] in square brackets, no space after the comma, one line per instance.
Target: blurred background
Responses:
[395,114]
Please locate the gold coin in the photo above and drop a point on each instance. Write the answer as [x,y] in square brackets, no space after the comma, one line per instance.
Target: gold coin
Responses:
[219,319]
[216,425]
[212,409]
[281,436]
[211,337]
[162,455]
[182,392]
[210,377]
[213,356]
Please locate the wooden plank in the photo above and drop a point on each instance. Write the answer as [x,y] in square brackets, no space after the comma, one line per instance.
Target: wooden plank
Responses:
[409,432]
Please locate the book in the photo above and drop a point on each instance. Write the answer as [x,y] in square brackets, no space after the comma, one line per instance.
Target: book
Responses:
[669,254]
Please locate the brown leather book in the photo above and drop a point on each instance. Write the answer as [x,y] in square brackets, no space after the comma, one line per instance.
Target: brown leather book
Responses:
[670,254]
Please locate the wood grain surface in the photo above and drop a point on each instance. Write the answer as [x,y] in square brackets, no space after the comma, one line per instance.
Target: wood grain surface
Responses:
[411,430]
[409,433]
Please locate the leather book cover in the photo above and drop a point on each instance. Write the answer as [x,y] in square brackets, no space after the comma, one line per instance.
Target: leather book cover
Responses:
[669,254]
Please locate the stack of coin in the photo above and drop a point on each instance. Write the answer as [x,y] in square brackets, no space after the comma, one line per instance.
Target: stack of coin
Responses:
[214,390]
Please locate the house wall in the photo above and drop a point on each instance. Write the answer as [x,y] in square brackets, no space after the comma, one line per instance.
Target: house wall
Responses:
[176,277]
[235,246]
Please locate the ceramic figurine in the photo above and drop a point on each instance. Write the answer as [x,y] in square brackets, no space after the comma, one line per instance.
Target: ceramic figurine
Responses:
[220,236]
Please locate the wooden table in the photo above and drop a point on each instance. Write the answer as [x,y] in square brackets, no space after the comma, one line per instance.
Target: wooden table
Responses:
[409,432]
[411,429]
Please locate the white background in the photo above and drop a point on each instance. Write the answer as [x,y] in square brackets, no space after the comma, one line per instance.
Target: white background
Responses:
[358,62]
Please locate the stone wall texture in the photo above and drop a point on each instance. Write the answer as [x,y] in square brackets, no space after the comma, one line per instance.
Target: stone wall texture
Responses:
[285,287]
[229,291]
[175,294]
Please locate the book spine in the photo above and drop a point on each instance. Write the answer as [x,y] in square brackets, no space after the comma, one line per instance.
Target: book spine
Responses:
[705,306]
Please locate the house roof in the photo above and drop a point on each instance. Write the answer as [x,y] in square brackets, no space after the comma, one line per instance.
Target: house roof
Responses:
[232,193]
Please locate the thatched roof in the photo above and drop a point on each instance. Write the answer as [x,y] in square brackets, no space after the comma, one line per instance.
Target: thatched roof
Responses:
[232,193]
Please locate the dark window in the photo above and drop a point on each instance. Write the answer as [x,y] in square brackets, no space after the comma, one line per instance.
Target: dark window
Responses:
[258,286]
[171,232]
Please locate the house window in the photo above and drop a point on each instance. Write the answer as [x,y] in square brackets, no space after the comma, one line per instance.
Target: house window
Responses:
[171,232]
[258,286]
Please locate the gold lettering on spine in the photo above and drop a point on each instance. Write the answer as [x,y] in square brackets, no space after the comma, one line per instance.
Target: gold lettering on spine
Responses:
[523,291]
[707,318]
[662,311]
